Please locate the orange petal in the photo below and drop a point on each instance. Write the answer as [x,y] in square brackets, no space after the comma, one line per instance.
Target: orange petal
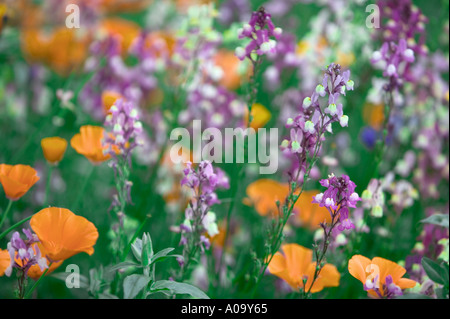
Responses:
[277,267]
[329,276]
[357,266]
[17,179]
[264,193]
[53,148]
[63,234]
[298,259]
[5,261]
[387,267]
[405,283]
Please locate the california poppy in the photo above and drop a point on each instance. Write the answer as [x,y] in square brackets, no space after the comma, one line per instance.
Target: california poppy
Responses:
[264,193]
[53,148]
[109,98]
[89,143]
[63,234]
[379,276]
[260,116]
[230,64]
[124,31]
[296,265]
[17,179]
[309,214]
[63,50]
[4,261]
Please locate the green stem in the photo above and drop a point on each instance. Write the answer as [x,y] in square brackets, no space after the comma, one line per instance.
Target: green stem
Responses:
[83,188]
[37,282]
[6,232]
[8,208]
[47,187]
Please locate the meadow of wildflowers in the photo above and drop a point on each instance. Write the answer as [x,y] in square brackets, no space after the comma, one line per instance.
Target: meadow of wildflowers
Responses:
[229,149]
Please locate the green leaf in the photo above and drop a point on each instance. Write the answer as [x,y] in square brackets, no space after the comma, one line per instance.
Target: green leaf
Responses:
[133,284]
[179,288]
[437,219]
[444,273]
[441,293]
[122,265]
[136,248]
[147,250]
[433,270]
[162,253]
[107,295]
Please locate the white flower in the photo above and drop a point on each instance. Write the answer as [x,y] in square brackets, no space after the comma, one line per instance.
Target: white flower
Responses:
[307,102]
[209,222]
[343,120]
[309,127]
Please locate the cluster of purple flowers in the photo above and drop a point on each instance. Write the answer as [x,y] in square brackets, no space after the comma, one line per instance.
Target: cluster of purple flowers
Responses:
[308,127]
[259,30]
[338,198]
[394,59]
[123,128]
[111,73]
[285,58]
[24,253]
[404,21]
[388,290]
[203,182]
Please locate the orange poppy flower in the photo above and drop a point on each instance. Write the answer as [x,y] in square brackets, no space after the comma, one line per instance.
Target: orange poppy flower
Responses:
[309,214]
[161,43]
[89,143]
[121,6]
[63,50]
[260,116]
[4,261]
[230,65]
[17,179]
[375,271]
[296,264]
[264,193]
[63,234]
[124,30]
[373,114]
[54,149]
[109,98]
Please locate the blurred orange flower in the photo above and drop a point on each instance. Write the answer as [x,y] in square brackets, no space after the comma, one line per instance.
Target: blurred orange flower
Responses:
[373,114]
[375,271]
[63,234]
[17,179]
[160,43]
[260,116]
[230,65]
[54,149]
[120,6]
[296,264]
[4,261]
[264,193]
[109,98]
[3,10]
[89,143]
[63,50]
[124,30]
[309,214]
